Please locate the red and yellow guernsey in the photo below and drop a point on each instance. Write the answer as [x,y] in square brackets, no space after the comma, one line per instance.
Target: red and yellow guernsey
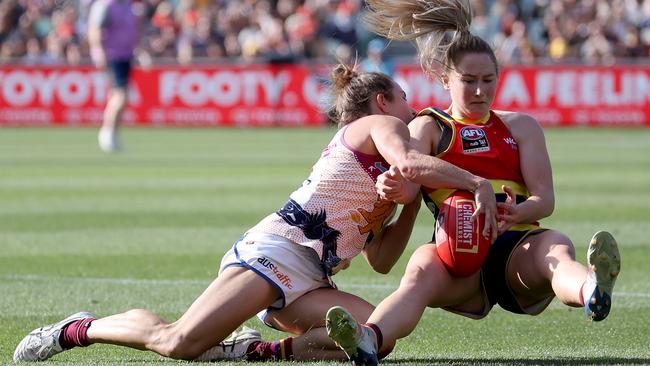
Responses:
[485,148]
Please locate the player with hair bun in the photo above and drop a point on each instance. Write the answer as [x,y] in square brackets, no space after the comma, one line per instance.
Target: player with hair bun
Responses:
[282,267]
[527,266]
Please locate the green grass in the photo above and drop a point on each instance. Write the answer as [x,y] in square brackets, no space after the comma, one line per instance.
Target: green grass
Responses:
[83,230]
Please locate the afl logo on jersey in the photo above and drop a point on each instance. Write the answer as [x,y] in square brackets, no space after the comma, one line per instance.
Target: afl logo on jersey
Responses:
[474,140]
[471,133]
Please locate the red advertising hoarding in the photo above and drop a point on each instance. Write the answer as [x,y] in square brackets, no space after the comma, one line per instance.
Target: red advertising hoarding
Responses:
[293,95]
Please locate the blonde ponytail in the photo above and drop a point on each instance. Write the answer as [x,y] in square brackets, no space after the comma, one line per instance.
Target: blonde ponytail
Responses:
[440,28]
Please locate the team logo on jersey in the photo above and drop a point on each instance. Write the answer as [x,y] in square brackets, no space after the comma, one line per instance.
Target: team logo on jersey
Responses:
[314,226]
[474,140]
[373,220]
[380,166]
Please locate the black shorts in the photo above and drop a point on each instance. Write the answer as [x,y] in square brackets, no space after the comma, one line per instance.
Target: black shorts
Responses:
[120,72]
[493,271]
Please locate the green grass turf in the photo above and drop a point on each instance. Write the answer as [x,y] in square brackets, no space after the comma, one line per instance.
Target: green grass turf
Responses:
[80,229]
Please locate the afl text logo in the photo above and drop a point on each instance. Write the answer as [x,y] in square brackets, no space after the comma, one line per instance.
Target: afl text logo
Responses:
[474,140]
[471,133]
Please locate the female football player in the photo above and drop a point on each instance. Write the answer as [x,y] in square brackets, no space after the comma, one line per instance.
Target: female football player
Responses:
[527,266]
[283,266]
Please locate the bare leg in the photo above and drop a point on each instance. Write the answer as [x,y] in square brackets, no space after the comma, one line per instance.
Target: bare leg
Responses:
[232,298]
[544,266]
[108,138]
[306,317]
[114,109]
[426,283]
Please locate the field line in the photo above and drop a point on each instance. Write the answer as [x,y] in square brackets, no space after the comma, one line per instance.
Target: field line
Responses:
[196,282]
[154,282]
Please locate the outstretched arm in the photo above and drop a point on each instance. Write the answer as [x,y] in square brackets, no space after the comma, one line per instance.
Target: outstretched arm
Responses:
[412,157]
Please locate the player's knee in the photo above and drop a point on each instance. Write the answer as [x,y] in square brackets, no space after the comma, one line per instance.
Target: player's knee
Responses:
[422,273]
[170,341]
[560,245]
[412,276]
[179,347]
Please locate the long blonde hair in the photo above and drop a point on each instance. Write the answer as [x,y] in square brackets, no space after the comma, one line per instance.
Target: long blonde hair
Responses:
[440,28]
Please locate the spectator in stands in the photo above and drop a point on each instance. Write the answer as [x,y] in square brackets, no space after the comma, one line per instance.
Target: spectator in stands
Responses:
[296,29]
[375,60]
[113,35]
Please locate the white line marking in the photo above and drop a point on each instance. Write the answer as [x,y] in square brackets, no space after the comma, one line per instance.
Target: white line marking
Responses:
[184,282]
[154,282]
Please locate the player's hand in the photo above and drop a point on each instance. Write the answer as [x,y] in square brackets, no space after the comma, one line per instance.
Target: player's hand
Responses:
[486,204]
[507,211]
[391,185]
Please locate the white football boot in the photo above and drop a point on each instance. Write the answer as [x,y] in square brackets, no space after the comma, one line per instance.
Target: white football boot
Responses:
[233,348]
[108,141]
[43,343]
[357,341]
[604,262]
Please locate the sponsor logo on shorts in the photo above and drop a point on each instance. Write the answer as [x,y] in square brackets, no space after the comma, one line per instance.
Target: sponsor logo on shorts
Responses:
[474,140]
[283,278]
[466,231]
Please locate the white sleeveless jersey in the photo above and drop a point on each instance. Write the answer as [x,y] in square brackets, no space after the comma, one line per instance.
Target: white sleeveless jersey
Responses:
[337,210]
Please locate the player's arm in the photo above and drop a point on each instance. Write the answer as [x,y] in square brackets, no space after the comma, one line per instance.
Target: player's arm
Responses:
[535,168]
[386,247]
[411,156]
[96,21]
[417,165]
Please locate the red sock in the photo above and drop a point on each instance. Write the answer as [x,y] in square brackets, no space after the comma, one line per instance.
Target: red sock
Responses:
[275,350]
[75,334]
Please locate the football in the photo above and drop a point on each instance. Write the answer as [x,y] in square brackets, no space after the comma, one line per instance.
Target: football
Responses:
[461,246]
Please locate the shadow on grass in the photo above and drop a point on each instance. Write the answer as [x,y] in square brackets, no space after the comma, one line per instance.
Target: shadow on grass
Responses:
[520,361]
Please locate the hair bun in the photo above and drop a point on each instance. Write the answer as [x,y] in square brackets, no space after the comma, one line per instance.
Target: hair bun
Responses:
[341,76]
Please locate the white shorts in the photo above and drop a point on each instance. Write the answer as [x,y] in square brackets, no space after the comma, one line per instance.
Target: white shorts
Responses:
[291,268]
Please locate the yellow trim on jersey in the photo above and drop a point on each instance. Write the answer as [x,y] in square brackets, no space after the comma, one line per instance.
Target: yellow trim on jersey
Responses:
[517,188]
[440,114]
[467,121]
[523,227]
[438,196]
[445,118]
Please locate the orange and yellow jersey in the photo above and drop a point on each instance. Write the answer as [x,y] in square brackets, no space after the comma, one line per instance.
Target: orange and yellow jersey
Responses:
[485,148]
[337,210]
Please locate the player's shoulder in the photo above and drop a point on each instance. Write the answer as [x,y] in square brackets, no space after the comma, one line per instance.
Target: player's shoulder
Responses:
[429,117]
[522,126]
[515,119]
[377,120]
[375,123]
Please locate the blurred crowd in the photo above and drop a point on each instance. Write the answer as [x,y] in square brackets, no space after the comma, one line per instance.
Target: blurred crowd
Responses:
[187,31]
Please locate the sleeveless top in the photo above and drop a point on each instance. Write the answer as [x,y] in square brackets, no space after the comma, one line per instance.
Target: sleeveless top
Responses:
[484,149]
[119,27]
[337,210]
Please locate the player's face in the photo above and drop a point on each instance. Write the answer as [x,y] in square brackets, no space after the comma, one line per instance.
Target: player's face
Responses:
[399,106]
[472,85]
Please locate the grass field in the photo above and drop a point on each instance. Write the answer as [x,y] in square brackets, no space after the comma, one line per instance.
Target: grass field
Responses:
[81,230]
